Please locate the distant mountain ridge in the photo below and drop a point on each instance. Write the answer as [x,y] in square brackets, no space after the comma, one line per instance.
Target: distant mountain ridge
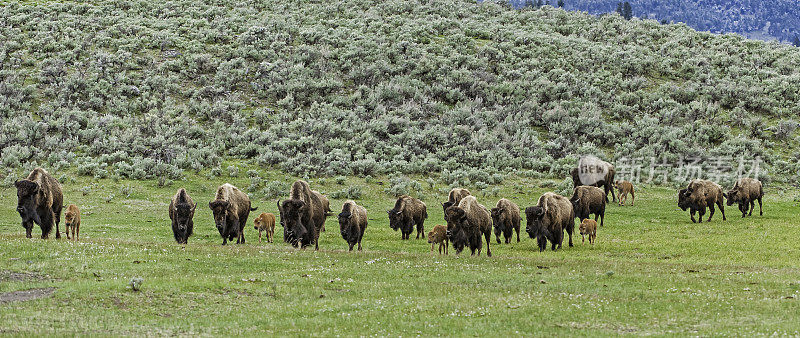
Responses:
[763,20]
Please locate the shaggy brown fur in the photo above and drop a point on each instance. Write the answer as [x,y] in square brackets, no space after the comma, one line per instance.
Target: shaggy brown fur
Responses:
[303,215]
[745,192]
[439,236]
[39,200]
[181,212]
[607,183]
[454,198]
[231,207]
[407,212]
[72,221]
[700,194]
[588,227]
[505,219]
[466,223]
[352,223]
[548,220]
[623,189]
[265,223]
[588,200]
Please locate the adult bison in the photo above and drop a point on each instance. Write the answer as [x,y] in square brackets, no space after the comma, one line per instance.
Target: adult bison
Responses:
[588,200]
[700,194]
[548,219]
[595,172]
[745,192]
[454,198]
[181,212]
[505,219]
[303,215]
[353,223]
[231,207]
[466,223]
[407,212]
[39,200]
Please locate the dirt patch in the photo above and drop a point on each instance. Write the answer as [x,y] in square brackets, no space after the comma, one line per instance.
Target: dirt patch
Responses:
[26,295]
[11,276]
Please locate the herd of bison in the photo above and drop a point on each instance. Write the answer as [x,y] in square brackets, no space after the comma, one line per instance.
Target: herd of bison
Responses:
[303,215]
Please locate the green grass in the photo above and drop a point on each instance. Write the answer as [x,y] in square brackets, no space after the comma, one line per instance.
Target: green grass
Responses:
[651,272]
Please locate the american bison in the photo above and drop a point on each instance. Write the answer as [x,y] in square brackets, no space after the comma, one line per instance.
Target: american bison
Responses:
[352,223]
[439,236]
[593,166]
[265,223]
[407,212]
[466,223]
[588,200]
[588,227]
[700,194]
[303,215]
[181,212]
[72,221]
[455,196]
[505,219]
[39,200]
[231,207]
[623,189]
[548,219]
[745,192]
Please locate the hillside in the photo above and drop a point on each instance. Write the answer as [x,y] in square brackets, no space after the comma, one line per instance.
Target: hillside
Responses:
[143,89]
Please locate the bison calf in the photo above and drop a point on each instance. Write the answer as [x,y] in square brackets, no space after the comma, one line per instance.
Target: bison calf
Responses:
[505,219]
[623,189]
[72,221]
[588,227]
[265,223]
[745,192]
[353,223]
[439,236]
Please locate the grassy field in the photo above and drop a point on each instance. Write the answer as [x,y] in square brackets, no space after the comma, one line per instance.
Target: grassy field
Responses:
[651,272]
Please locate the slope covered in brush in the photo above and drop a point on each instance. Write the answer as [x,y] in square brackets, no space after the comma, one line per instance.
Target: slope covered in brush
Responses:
[148,88]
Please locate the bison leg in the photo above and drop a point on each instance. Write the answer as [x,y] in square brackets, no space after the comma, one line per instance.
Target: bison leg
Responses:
[691,214]
[57,214]
[488,235]
[752,206]
[351,246]
[421,229]
[570,230]
[760,207]
[722,208]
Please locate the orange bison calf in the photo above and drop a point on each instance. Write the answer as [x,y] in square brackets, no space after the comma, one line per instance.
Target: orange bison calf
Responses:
[439,236]
[588,227]
[72,220]
[265,223]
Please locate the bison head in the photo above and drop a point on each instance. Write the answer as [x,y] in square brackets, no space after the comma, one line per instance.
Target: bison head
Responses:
[220,209]
[291,211]
[347,228]
[683,199]
[733,196]
[534,217]
[446,205]
[496,213]
[455,217]
[184,212]
[395,218]
[27,193]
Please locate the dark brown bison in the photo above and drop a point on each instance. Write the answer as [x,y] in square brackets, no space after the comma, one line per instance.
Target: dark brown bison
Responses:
[700,194]
[549,218]
[745,192]
[407,212]
[588,200]
[303,215]
[181,212]
[231,207]
[606,183]
[454,198]
[466,223]
[39,200]
[505,219]
[353,223]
